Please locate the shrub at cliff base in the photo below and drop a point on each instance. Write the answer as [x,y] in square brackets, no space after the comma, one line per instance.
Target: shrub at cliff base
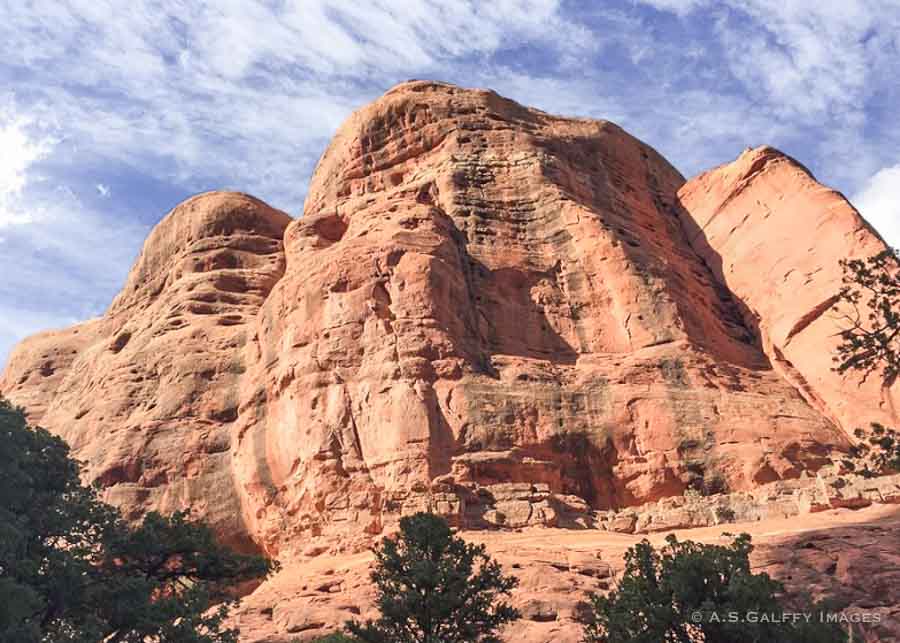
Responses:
[690,592]
[71,570]
[434,587]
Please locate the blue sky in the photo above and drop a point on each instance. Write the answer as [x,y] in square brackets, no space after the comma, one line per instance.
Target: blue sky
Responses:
[113,112]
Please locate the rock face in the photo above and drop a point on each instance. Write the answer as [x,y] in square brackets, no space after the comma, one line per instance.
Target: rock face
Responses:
[481,294]
[779,499]
[147,394]
[766,211]
[503,316]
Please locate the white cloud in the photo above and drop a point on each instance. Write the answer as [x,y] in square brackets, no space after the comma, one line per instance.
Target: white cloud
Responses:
[681,7]
[22,148]
[245,94]
[810,58]
[812,66]
[879,202]
[803,58]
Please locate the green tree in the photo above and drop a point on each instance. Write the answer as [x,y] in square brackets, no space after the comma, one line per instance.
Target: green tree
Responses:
[689,592]
[870,342]
[876,453]
[434,587]
[869,303]
[71,570]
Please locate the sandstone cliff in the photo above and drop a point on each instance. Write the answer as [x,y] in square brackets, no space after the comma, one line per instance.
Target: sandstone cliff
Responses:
[773,236]
[504,316]
[146,395]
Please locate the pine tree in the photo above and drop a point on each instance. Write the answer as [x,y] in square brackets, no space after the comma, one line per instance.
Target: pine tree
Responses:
[870,331]
[689,592]
[434,587]
[72,571]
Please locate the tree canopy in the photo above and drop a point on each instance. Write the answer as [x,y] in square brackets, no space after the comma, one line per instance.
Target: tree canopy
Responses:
[434,587]
[870,335]
[72,570]
[690,592]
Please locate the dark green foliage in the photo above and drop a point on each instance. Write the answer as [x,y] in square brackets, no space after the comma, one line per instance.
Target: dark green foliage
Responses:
[877,452]
[436,588]
[336,638]
[72,571]
[870,339]
[689,592]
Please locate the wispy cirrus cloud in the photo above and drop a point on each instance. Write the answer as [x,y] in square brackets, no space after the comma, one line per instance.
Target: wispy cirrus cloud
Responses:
[117,114]
[263,84]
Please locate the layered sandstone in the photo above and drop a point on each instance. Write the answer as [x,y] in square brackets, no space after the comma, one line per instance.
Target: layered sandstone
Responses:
[481,294]
[506,317]
[773,236]
[146,395]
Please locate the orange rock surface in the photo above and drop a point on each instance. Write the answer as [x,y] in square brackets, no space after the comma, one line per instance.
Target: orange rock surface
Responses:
[506,317]
[146,395]
[849,556]
[773,236]
[480,294]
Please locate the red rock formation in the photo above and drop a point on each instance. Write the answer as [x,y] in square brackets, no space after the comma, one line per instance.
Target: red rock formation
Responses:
[480,293]
[773,236]
[485,310]
[146,394]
